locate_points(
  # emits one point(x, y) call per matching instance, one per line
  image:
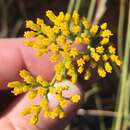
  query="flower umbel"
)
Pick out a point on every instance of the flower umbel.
point(60, 38)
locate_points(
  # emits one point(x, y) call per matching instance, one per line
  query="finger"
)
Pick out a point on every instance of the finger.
point(10, 61)
point(14, 57)
point(13, 120)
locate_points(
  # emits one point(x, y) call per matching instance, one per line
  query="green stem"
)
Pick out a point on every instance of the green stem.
point(99, 107)
point(90, 92)
point(91, 10)
point(128, 81)
point(53, 81)
point(77, 5)
point(121, 27)
point(127, 103)
point(70, 6)
point(123, 78)
point(67, 127)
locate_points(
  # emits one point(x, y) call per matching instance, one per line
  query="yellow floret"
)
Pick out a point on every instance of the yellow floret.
point(104, 26)
point(74, 77)
point(54, 57)
point(26, 111)
point(86, 40)
point(108, 67)
point(44, 103)
point(63, 103)
point(40, 22)
point(78, 40)
point(104, 41)
point(17, 90)
point(29, 43)
point(85, 23)
point(80, 69)
point(115, 59)
point(41, 91)
point(80, 62)
point(66, 46)
point(74, 52)
point(112, 49)
point(54, 48)
point(100, 49)
point(55, 112)
point(86, 57)
point(47, 113)
point(101, 72)
point(60, 40)
point(68, 64)
point(32, 94)
point(76, 29)
point(30, 24)
point(59, 18)
point(75, 17)
point(34, 120)
point(27, 77)
point(14, 84)
point(29, 34)
point(88, 74)
point(51, 15)
point(56, 29)
point(61, 115)
point(35, 109)
point(94, 29)
point(94, 55)
point(41, 81)
point(118, 62)
point(106, 33)
point(75, 98)
point(67, 17)
point(105, 57)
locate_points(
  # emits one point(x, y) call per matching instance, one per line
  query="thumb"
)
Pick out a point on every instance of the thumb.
point(13, 120)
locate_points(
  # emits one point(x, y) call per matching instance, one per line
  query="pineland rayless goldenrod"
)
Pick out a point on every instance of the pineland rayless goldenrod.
point(60, 38)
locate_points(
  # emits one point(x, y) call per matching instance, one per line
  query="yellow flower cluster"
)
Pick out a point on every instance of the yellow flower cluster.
point(59, 38)
point(66, 33)
point(39, 86)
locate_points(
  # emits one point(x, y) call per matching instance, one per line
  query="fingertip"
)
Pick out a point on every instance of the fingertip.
point(47, 123)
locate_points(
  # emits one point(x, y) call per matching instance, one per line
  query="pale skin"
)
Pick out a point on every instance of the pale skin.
point(14, 56)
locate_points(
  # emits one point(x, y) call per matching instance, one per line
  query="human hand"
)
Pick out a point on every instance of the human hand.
point(14, 57)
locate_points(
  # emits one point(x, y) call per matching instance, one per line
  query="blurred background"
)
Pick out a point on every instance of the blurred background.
point(13, 13)
point(96, 112)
